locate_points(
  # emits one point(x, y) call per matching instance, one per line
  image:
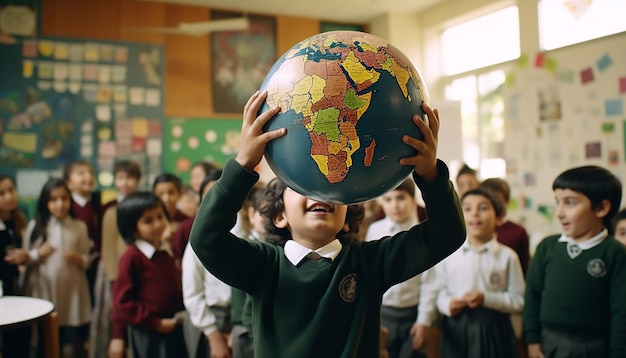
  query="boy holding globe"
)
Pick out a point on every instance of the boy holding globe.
point(320, 294)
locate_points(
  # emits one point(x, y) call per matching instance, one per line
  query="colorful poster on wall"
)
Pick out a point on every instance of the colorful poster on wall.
point(240, 60)
point(63, 100)
point(190, 140)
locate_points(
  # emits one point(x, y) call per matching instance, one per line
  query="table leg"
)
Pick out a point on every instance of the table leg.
point(51, 335)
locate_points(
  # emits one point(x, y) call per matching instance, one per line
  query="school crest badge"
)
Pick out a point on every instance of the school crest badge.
point(596, 268)
point(347, 288)
point(495, 278)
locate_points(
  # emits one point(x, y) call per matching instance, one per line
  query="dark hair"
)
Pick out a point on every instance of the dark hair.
point(129, 167)
point(596, 183)
point(256, 197)
point(465, 169)
point(130, 210)
point(67, 171)
point(42, 213)
point(206, 166)
point(408, 186)
point(621, 215)
point(498, 205)
point(498, 185)
point(17, 216)
point(274, 205)
point(168, 178)
point(211, 177)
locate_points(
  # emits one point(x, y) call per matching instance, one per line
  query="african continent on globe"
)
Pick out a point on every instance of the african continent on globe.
point(346, 99)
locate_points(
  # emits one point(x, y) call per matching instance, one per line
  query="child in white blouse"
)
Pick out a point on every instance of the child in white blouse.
point(480, 285)
point(59, 255)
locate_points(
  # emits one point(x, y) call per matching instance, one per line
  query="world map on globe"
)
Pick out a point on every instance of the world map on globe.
point(329, 85)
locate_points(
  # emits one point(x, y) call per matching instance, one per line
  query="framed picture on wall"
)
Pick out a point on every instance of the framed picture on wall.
point(240, 60)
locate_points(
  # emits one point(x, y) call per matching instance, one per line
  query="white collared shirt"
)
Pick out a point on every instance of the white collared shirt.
point(420, 290)
point(387, 227)
point(296, 252)
point(201, 291)
point(119, 197)
point(583, 245)
point(146, 248)
point(79, 199)
point(493, 269)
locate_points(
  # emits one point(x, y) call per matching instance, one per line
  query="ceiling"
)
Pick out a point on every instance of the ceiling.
point(350, 11)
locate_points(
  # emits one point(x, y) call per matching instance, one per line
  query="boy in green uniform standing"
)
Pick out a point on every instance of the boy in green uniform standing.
point(319, 295)
point(575, 300)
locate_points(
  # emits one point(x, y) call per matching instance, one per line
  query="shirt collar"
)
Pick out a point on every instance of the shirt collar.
point(146, 248)
point(295, 252)
point(2, 225)
point(397, 227)
point(79, 199)
point(489, 246)
point(119, 197)
point(586, 244)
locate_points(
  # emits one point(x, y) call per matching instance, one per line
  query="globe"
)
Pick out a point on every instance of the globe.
point(346, 99)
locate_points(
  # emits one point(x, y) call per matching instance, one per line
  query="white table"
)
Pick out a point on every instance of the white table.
point(17, 311)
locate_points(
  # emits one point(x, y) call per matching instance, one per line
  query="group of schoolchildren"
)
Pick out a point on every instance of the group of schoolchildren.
point(263, 271)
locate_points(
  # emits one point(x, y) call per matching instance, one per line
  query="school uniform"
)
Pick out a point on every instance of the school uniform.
point(407, 303)
point(88, 211)
point(180, 238)
point(342, 292)
point(515, 236)
point(486, 331)
point(576, 297)
point(241, 315)
point(242, 337)
point(207, 301)
point(148, 289)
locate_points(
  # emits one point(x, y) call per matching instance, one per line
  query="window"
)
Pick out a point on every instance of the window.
point(566, 22)
point(481, 42)
point(482, 116)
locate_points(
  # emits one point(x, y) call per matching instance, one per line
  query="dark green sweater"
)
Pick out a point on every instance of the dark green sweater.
point(586, 295)
point(319, 308)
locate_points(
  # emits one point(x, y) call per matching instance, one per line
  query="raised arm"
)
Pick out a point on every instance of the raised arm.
point(232, 260)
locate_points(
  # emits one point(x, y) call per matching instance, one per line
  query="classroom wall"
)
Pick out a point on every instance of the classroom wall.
point(564, 108)
point(187, 65)
point(588, 129)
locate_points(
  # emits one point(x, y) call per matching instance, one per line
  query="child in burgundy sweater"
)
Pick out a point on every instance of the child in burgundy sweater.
point(147, 294)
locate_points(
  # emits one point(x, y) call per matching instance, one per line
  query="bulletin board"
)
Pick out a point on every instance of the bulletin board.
point(67, 99)
point(190, 140)
point(563, 109)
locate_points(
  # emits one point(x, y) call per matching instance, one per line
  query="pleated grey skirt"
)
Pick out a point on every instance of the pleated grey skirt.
point(478, 333)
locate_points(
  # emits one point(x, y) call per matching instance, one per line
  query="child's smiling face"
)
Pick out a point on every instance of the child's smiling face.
point(311, 223)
